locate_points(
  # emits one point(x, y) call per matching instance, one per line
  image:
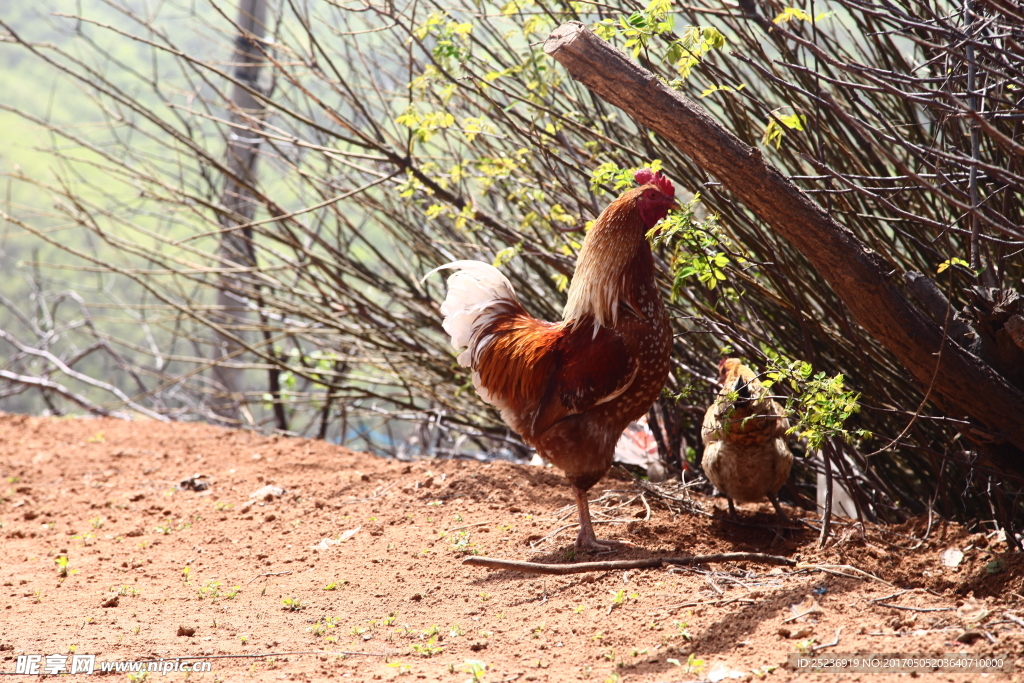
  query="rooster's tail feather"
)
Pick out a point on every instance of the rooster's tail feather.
point(478, 296)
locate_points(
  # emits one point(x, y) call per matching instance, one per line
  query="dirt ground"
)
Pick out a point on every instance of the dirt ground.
point(354, 571)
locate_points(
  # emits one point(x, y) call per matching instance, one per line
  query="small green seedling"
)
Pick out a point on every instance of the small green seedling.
point(428, 648)
point(63, 571)
point(476, 669)
point(210, 589)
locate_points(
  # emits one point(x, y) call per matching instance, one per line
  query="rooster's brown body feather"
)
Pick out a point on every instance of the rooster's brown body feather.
point(570, 388)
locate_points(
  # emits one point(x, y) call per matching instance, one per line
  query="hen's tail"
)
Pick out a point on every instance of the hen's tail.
point(479, 297)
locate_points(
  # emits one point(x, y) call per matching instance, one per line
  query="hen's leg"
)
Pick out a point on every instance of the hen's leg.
point(586, 540)
point(732, 508)
point(783, 517)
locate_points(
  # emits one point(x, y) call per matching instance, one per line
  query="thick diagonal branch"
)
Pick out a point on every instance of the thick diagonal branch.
point(964, 383)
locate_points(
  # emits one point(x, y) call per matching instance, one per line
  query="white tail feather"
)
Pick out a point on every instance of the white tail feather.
point(477, 294)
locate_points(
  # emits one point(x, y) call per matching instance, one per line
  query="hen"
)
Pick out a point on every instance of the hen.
point(570, 388)
point(745, 452)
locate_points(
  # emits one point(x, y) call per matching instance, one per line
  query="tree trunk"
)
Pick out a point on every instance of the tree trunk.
point(236, 249)
point(963, 385)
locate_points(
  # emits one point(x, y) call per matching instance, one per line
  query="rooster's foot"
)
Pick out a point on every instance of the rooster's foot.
point(600, 545)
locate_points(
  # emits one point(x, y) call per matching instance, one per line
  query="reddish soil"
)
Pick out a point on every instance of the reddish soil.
point(386, 595)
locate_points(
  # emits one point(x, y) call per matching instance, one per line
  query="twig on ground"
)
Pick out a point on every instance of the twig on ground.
point(720, 601)
point(376, 494)
point(834, 569)
point(1014, 618)
point(283, 654)
point(892, 595)
point(468, 526)
point(648, 563)
point(714, 586)
point(918, 609)
point(267, 574)
point(835, 641)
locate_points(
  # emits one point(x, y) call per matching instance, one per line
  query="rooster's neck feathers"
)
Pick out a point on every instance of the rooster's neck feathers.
point(614, 258)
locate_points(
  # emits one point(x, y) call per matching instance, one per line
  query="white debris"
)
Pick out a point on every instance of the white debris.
point(267, 493)
point(722, 672)
point(326, 543)
point(951, 557)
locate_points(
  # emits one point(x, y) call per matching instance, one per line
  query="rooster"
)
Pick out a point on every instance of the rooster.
point(745, 452)
point(570, 388)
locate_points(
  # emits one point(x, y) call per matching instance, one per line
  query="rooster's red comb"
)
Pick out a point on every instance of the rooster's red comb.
point(646, 176)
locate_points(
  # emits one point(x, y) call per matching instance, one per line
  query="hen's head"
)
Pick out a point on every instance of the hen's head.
point(657, 196)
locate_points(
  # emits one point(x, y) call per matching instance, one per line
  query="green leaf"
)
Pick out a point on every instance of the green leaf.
point(952, 262)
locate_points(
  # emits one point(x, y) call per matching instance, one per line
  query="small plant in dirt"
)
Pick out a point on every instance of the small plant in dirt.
point(390, 618)
point(186, 574)
point(455, 631)
point(86, 539)
point(210, 590)
point(476, 669)
point(166, 528)
point(63, 570)
point(323, 626)
point(579, 608)
point(244, 639)
point(125, 591)
point(402, 669)
point(97, 522)
point(693, 664)
point(292, 604)
point(484, 597)
point(138, 676)
point(220, 506)
point(429, 648)
point(620, 598)
point(805, 647)
point(681, 627)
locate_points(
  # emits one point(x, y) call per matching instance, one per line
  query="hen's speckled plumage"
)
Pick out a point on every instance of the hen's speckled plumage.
point(745, 451)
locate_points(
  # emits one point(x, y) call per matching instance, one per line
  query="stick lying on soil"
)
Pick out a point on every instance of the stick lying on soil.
point(649, 563)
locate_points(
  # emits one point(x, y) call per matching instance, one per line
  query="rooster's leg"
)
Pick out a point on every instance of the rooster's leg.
point(586, 540)
point(732, 508)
